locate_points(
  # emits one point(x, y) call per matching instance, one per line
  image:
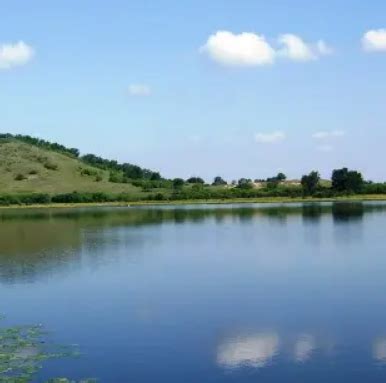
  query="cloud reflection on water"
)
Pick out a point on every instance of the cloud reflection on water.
point(304, 347)
point(379, 349)
point(252, 351)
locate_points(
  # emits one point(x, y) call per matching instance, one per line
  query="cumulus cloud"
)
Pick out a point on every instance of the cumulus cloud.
point(324, 134)
point(304, 347)
point(253, 351)
point(296, 49)
point(270, 138)
point(244, 49)
point(12, 55)
point(374, 40)
point(139, 90)
point(250, 49)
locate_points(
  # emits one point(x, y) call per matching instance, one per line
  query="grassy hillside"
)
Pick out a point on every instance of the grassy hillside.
point(26, 168)
point(34, 171)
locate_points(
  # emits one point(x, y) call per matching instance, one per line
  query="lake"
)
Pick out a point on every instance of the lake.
point(208, 293)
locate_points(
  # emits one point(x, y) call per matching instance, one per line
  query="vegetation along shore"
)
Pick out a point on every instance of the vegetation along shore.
point(35, 172)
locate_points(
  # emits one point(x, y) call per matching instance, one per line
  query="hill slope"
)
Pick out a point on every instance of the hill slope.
point(26, 168)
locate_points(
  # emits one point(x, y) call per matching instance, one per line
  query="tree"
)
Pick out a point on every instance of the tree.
point(198, 187)
point(218, 181)
point(155, 176)
point(245, 183)
point(280, 177)
point(345, 180)
point(310, 183)
point(195, 180)
point(178, 183)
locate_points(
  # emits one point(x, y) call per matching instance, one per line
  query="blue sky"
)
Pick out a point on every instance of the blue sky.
point(154, 83)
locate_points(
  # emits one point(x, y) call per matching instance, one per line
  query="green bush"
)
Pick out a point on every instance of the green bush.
point(20, 177)
point(24, 199)
point(50, 165)
point(89, 172)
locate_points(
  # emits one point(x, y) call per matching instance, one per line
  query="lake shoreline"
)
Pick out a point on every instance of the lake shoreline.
point(279, 200)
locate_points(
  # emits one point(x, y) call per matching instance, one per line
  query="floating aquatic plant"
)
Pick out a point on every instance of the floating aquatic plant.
point(23, 351)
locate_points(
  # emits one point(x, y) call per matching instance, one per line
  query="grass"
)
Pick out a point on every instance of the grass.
point(26, 168)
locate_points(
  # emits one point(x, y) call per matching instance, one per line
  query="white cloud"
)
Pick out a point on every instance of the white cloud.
point(270, 138)
point(250, 49)
point(139, 90)
point(374, 40)
point(12, 55)
point(244, 49)
point(294, 48)
point(323, 48)
point(253, 351)
point(324, 134)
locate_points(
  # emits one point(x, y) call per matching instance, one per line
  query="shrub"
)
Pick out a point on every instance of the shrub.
point(20, 177)
point(24, 199)
point(88, 172)
point(76, 197)
point(50, 165)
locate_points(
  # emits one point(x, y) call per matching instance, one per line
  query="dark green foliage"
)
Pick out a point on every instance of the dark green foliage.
point(155, 176)
point(272, 184)
point(374, 188)
point(159, 197)
point(310, 183)
point(20, 177)
point(24, 199)
point(76, 197)
point(50, 165)
point(149, 184)
point(344, 180)
point(89, 172)
point(122, 171)
point(206, 193)
point(195, 180)
point(218, 181)
point(197, 187)
point(280, 177)
point(41, 143)
point(178, 183)
point(118, 178)
point(245, 183)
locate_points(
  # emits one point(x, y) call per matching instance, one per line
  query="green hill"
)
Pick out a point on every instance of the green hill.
point(28, 165)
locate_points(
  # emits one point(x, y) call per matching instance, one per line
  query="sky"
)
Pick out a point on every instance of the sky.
point(242, 88)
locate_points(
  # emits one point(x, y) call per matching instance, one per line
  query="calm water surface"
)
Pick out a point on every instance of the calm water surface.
point(239, 293)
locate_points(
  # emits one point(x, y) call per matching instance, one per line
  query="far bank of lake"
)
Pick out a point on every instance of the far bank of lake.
point(265, 200)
